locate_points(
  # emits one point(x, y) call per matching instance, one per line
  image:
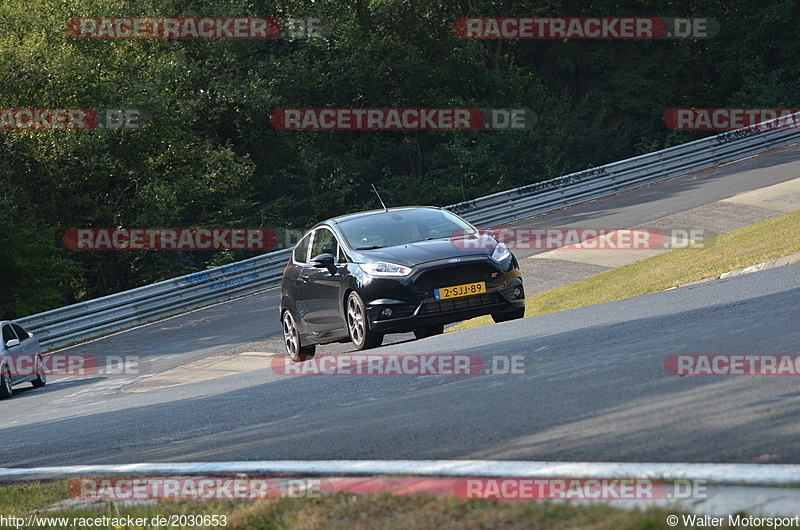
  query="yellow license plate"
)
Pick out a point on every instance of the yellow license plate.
point(459, 290)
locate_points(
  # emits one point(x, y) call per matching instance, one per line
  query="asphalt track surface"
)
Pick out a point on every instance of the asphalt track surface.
point(594, 387)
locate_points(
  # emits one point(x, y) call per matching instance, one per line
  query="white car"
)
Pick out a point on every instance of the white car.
point(20, 359)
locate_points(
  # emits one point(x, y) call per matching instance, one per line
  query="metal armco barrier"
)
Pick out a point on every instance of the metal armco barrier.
point(58, 327)
point(93, 318)
point(542, 197)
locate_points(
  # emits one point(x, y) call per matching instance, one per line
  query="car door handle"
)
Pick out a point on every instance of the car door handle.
point(304, 278)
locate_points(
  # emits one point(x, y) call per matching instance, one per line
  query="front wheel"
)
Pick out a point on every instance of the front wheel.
point(291, 339)
point(363, 338)
point(41, 376)
point(509, 315)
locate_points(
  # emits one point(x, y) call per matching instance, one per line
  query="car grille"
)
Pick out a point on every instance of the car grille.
point(463, 302)
point(455, 275)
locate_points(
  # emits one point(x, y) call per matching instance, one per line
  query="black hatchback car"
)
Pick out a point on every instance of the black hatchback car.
point(361, 276)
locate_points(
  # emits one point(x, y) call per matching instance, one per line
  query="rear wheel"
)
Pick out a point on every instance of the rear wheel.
point(362, 337)
point(41, 376)
point(291, 339)
point(5, 384)
point(510, 315)
point(429, 331)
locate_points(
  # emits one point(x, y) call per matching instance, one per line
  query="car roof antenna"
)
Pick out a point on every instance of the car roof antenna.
point(385, 209)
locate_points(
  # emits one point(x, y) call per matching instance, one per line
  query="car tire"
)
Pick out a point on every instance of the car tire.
point(41, 376)
point(509, 315)
point(5, 384)
point(291, 340)
point(429, 331)
point(362, 337)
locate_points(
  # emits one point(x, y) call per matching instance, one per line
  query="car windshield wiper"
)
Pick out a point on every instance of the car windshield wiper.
point(370, 248)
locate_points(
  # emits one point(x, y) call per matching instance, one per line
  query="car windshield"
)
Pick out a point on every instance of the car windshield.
point(399, 227)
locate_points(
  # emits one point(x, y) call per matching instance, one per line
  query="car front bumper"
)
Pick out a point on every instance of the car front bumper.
point(428, 311)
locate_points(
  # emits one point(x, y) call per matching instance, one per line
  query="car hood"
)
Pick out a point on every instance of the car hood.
point(421, 252)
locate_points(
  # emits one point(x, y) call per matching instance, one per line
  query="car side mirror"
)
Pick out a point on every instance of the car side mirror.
point(11, 343)
point(325, 261)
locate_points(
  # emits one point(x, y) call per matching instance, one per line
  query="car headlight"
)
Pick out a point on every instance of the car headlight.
point(382, 268)
point(501, 253)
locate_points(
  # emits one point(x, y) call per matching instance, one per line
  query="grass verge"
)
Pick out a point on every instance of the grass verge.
point(764, 241)
point(338, 511)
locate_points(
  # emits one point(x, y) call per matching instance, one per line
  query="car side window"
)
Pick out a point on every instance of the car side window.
point(301, 250)
point(22, 335)
point(325, 243)
point(8, 334)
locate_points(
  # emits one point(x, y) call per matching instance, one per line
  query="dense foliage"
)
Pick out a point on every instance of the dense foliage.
point(210, 157)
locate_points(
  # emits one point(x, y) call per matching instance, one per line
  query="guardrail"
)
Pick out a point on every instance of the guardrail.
point(77, 322)
point(93, 318)
point(568, 190)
